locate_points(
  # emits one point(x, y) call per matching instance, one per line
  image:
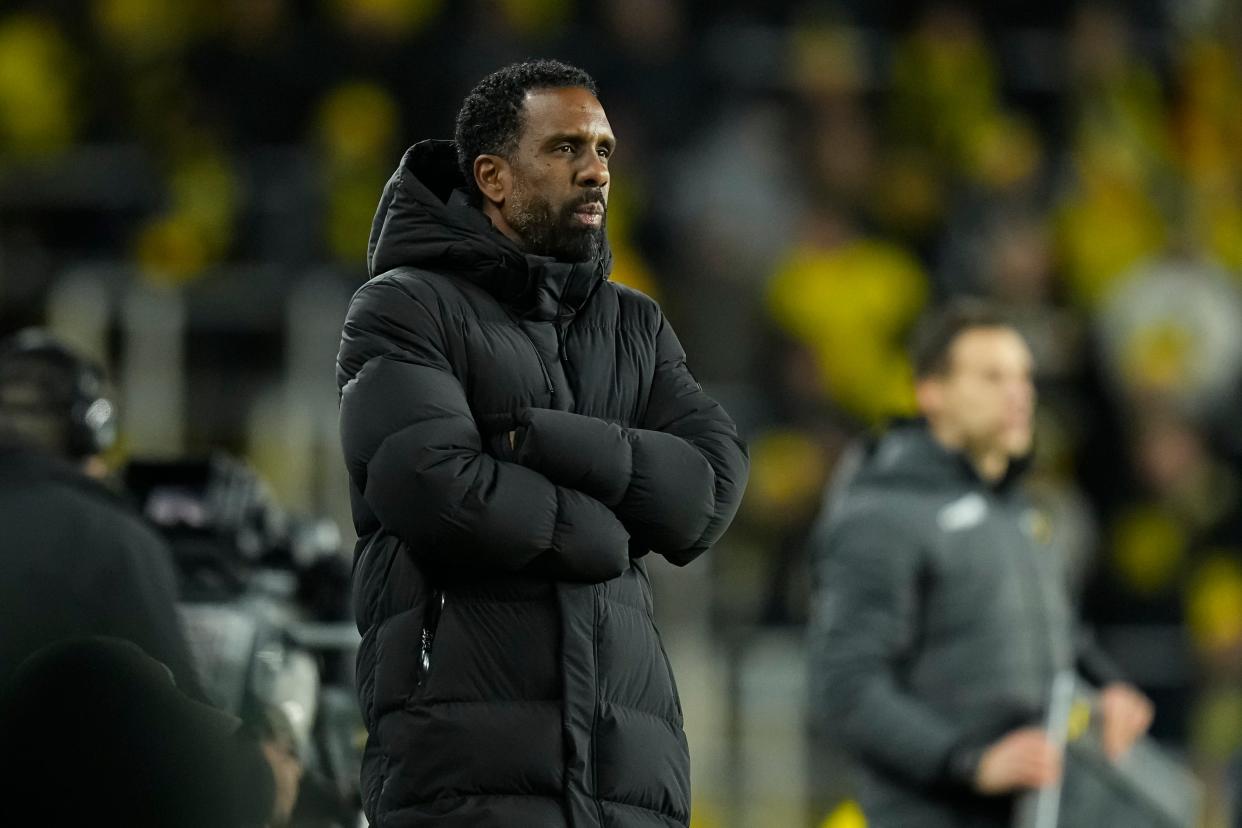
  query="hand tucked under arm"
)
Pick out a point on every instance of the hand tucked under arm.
point(662, 486)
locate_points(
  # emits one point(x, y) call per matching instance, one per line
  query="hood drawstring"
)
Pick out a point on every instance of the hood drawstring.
point(562, 320)
point(560, 330)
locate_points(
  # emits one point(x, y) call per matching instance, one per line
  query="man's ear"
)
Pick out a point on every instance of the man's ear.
point(494, 177)
point(929, 394)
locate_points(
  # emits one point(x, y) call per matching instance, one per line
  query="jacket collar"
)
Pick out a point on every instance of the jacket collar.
point(24, 465)
point(908, 450)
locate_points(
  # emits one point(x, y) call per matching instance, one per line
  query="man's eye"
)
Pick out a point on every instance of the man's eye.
point(604, 152)
point(565, 148)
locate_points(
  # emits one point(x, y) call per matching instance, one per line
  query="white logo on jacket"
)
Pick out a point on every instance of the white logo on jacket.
point(963, 513)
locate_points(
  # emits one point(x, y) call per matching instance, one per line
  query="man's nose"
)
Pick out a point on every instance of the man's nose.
point(594, 172)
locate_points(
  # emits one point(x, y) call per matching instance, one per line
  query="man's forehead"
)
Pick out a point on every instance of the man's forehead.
point(569, 109)
point(987, 346)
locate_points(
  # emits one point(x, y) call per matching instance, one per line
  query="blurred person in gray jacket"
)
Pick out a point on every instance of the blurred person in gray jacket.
point(941, 613)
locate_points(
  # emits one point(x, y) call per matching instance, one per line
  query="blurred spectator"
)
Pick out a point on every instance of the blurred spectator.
point(38, 94)
point(196, 230)
point(945, 121)
point(356, 126)
point(389, 20)
point(945, 94)
point(1167, 579)
point(254, 74)
point(1208, 133)
point(1106, 224)
point(77, 560)
point(733, 192)
point(732, 209)
point(1115, 212)
point(851, 300)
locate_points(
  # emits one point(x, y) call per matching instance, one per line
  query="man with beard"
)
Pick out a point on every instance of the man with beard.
point(519, 433)
point(941, 616)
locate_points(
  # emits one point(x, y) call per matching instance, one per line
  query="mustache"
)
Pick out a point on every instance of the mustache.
point(592, 196)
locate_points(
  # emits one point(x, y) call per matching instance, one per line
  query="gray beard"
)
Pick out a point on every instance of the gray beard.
point(546, 234)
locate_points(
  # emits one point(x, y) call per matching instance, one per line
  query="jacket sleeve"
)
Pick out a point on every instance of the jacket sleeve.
point(675, 483)
point(414, 450)
point(863, 617)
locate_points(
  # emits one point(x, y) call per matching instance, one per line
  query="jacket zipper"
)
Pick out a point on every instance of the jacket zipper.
point(1047, 602)
point(599, 805)
point(543, 366)
point(431, 622)
point(1038, 603)
point(566, 365)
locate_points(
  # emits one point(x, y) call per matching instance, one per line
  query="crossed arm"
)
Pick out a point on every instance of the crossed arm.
point(580, 487)
point(675, 483)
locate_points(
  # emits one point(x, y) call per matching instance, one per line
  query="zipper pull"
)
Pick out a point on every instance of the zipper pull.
point(428, 637)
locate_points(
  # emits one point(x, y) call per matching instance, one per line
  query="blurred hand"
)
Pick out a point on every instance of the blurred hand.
point(1021, 759)
point(1125, 715)
point(287, 771)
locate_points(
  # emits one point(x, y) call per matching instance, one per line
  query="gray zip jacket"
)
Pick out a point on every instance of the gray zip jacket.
point(940, 615)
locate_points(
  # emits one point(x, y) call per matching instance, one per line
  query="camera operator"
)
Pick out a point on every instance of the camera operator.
point(79, 562)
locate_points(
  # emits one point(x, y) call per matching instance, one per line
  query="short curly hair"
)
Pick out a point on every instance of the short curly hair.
point(490, 119)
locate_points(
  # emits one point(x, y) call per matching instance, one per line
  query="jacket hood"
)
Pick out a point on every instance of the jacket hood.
point(425, 220)
point(908, 456)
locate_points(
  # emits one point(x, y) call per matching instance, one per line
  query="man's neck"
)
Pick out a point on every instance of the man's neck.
point(498, 221)
point(989, 463)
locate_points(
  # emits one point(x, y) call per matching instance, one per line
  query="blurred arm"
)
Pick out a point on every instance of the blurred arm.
point(862, 621)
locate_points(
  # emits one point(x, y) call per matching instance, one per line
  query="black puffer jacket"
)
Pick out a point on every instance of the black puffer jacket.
point(510, 673)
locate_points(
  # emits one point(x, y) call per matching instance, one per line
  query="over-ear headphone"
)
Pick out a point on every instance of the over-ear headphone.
point(65, 384)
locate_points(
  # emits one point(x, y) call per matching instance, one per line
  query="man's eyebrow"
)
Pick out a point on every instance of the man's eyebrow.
point(580, 138)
